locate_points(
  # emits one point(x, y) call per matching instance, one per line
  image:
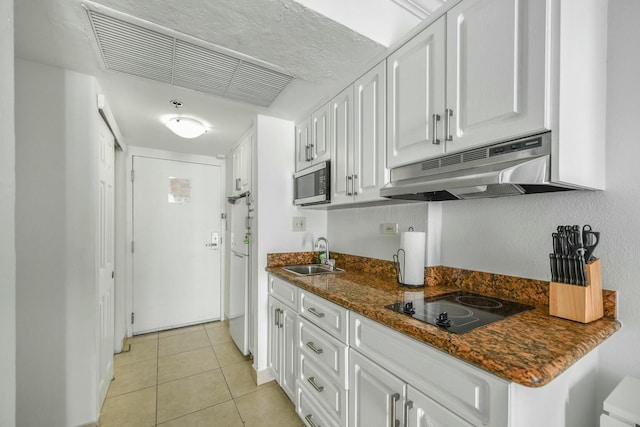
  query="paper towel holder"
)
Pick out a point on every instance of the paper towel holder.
point(400, 269)
point(396, 263)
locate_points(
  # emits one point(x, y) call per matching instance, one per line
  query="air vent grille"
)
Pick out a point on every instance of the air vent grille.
point(430, 164)
point(453, 159)
point(133, 49)
point(472, 155)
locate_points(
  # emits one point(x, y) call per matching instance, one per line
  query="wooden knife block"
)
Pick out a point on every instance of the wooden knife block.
point(580, 303)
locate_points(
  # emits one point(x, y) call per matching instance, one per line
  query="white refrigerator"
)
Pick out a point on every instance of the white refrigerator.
point(239, 277)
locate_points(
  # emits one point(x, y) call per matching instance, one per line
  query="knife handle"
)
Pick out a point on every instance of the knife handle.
point(554, 273)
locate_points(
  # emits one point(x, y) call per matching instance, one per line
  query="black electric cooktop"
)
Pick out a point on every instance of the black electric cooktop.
point(459, 311)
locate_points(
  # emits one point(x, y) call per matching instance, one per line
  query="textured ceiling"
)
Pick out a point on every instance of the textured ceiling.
point(322, 54)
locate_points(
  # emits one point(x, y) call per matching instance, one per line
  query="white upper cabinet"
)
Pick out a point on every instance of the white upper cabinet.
point(416, 97)
point(313, 142)
point(494, 59)
point(495, 71)
point(303, 144)
point(242, 164)
point(358, 139)
point(342, 140)
point(486, 71)
point(369, 142)
point(320, 141)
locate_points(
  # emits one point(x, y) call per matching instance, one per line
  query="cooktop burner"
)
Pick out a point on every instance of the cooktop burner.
point(459, 311)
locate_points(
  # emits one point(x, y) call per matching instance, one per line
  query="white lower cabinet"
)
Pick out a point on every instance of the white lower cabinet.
point(379, 398)
point(323, 370)
point(456, 389)
point(282, 355)
point(323, 361)
point(374, 393)
point(311, 411)
point(421, 411)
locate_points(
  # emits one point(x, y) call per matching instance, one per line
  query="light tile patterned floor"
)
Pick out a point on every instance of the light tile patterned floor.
point(192, 376)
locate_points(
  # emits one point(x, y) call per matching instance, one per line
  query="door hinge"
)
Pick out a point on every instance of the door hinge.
point(133, 317)
point(132, 246)
point(132, 175)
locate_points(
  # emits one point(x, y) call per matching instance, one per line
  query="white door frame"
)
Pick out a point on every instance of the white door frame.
point(127, 286)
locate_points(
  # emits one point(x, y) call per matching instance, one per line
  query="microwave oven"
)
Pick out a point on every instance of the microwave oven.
point(311, 185)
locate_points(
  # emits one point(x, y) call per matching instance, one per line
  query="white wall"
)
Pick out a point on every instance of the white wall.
point(358, 231)
point(513, 235)
point(56, 170)
point(273, 184)
point(7, 221)
point(366, 239)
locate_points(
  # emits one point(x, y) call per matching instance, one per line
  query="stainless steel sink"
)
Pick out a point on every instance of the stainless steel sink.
point(312, 269)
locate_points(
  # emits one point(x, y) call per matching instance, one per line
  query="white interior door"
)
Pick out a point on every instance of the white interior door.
point(176, 243)
point(106, 234)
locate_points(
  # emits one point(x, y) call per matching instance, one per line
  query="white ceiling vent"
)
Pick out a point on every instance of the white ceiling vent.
point(133, 49)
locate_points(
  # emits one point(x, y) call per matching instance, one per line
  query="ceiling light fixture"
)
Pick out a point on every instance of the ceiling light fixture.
point(184, 127)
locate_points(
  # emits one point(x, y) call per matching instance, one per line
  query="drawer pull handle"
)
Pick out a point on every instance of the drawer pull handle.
point(315, 312)
point(447, 118)
point(312, 381)
point(315, 349)
point(308, 420)
point(393, 422)
point(408, 406)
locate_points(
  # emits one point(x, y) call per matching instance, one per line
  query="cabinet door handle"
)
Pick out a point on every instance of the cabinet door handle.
point(434, 129)
point(315, 312)
point(312, 381)
point(355, 191)
point(312, 155)
point(315, 349)
point(277, 317)
point(407, 407)
point(280, 318)
point(307, 155)
point(309, 421)
point(393, 422)
point(238, 184)
point(349, 183)
point(447, 124)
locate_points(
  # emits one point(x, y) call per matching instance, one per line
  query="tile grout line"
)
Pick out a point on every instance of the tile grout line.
point(233, 399)
point(196, 411)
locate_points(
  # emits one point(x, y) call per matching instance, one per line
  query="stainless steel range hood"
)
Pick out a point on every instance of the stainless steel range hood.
point(521, 166)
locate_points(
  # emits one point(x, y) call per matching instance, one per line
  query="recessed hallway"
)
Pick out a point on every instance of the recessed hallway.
point(192, 376)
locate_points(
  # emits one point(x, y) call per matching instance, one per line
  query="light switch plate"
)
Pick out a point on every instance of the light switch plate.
point(389, 228)
point(299, 223)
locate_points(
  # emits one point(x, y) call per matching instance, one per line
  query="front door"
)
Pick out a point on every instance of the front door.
point(176, 243)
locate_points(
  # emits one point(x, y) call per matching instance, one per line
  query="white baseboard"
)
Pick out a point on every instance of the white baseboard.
point(261, 377)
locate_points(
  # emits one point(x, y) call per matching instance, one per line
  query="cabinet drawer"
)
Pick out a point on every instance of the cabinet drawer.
point(311, 411)
point(324, 350)
point(319, 384)
point(285, 292)
point(325, 314)
point(467, 391)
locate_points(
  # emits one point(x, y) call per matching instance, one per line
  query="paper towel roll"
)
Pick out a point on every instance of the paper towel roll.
point(413, 244)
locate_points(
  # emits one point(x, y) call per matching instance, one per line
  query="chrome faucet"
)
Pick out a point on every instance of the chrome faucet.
point(327, 260)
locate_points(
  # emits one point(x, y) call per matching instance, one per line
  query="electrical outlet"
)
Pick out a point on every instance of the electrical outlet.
point(389, 228)
point(299, 223)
